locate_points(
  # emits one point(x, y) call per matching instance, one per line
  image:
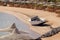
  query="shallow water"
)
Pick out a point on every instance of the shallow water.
point(6, 20)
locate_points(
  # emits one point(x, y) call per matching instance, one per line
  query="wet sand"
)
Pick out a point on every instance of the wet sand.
point(21, 13)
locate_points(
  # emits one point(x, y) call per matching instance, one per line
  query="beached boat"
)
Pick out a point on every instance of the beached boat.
point(36, 20)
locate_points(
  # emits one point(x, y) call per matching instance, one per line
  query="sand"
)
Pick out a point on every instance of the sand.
point(24, 15)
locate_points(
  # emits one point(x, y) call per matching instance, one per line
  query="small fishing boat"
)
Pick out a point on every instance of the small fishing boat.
point(36, 20)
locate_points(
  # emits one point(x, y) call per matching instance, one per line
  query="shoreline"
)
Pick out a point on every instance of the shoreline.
point(50, 16)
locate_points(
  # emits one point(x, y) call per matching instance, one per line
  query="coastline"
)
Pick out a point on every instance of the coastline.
point(47, 15)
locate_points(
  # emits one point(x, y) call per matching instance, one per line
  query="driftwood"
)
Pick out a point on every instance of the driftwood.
point(51, 33)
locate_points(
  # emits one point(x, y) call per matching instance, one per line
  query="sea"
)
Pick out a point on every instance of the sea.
point(6, 20)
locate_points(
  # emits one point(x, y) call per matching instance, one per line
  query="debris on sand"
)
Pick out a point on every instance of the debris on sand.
point(51, 33)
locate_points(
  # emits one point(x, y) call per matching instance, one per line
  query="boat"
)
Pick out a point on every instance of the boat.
point(36, 20)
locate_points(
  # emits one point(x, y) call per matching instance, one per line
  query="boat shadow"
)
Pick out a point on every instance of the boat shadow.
point(42, 25)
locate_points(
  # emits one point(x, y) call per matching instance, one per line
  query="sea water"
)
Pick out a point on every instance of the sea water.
point(6, 20)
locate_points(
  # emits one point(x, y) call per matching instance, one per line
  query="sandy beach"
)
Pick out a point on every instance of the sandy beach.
point(24, 15)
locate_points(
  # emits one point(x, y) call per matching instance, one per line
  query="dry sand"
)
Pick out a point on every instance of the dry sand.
point(22, 13)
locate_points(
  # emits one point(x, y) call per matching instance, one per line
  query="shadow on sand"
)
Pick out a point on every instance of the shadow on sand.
point(42, 25)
